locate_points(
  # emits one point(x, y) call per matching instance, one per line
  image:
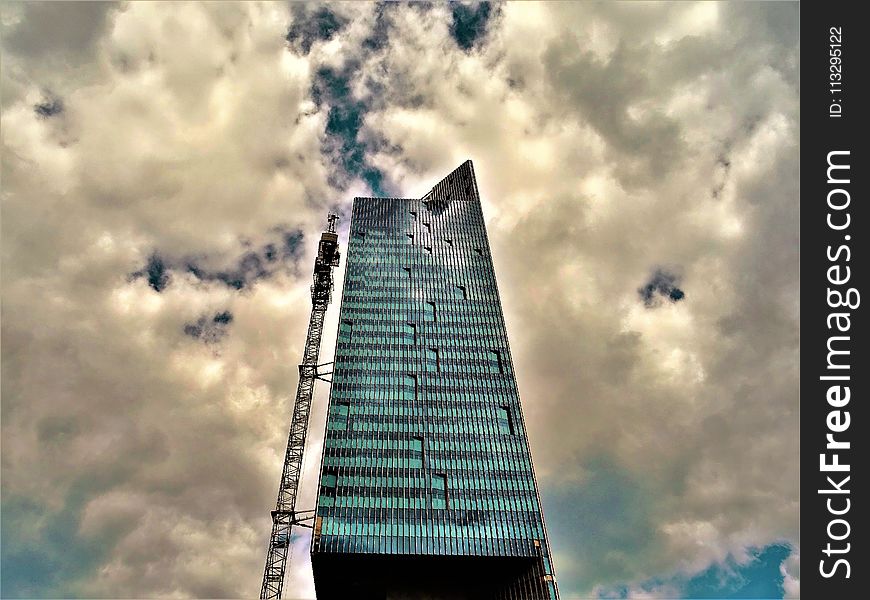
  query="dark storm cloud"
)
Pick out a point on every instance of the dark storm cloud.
point(469, 22)
point(67, 30)
point(49, 107)
point(158, 278)
point(772, 30)
point(720, 176)
point(602, 91)
point(210, 329)
point(661, 285)
point(380, 34)
point(44, 40)
point(155, 271)
point(311, 25)
point(251, 266)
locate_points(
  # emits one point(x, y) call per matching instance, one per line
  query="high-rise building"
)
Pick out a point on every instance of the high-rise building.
point(426, 488)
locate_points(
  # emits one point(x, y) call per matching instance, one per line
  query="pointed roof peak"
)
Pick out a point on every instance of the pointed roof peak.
point(459, 184)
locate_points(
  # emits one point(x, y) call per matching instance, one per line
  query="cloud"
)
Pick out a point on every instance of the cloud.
point(196, 154)
point(49, 107)
point(155, 272)
point(664, 285)
point(210, 329)
point(130, 452)
point(469, 22)
point(344, 121)
point(311, 25)
point(595, 146)
point(791, 575)
point(617, 521)
point(42, 30)
point(756, 574)
point(242, 272)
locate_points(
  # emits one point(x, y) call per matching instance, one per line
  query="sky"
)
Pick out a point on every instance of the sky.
point(166, 170)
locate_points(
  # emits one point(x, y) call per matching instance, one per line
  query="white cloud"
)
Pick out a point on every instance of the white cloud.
point(791, 573)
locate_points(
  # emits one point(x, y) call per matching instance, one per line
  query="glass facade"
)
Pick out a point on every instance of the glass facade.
point(425, 453)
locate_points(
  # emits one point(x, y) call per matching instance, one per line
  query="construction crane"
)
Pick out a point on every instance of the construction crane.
point(285, 514)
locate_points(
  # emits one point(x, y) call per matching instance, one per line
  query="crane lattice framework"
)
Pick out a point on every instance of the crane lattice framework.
point(285, 514)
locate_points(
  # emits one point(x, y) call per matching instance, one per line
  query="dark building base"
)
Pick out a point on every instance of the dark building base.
point(391, 577)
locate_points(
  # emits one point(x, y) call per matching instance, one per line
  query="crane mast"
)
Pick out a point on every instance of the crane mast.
point(285, 514)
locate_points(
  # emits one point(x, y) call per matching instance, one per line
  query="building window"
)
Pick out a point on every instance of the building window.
point(413, 215)
point(428, 227)
point(551, 588)
point(408, 271)
point(409, 387)
point(479, 251)
point(439, 491)
point(429, 313)
point(433, 360)
point(494, 362)
point(345, 330)
point(410, 238)
point(449, 242)
point(416, 461)
point(459, 292)
point(409, 333)
point(340, 413)
point(328, 485)
point(505, 421)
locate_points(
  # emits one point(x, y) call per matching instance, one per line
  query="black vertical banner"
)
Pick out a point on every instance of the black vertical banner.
point(835, 58)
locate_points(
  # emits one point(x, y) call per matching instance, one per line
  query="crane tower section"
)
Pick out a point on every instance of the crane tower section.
point(285, 514)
